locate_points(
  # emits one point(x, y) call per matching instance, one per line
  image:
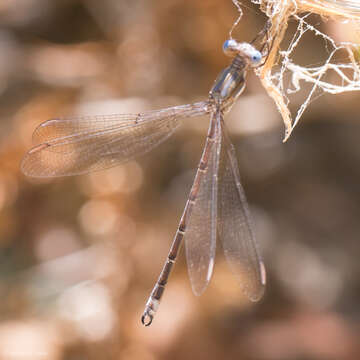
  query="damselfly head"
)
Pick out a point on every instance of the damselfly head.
point(231, 48)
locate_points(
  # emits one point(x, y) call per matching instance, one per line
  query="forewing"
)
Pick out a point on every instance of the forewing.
point(235, 228)
point(83, 144)
point(200, 233)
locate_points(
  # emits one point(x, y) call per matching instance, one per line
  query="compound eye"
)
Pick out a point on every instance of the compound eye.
point(256, 57)
point(230, 47)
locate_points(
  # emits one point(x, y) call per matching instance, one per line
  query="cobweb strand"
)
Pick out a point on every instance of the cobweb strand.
point(329, 77)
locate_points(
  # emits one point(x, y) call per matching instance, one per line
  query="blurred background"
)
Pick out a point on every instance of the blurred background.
point(79, 255)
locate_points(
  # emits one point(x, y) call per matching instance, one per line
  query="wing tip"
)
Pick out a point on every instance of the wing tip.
point(26, 165)
point(198, 288)
point(26, 168)
point(198, 291)
point(256, 296)
point(255, 289)
point(42, 125)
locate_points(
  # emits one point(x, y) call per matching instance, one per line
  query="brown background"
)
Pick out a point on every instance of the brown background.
point(79, 256)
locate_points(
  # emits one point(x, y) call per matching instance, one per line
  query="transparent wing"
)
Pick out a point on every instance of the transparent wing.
point(83, 144)
point(234, 225)
point(200, 233)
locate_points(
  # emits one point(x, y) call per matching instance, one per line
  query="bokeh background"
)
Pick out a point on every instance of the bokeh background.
point(79, 255)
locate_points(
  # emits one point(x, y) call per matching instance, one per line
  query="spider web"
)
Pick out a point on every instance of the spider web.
point(283, 78)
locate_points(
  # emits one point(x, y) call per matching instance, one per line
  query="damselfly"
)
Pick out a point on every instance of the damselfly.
point(216, 206)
